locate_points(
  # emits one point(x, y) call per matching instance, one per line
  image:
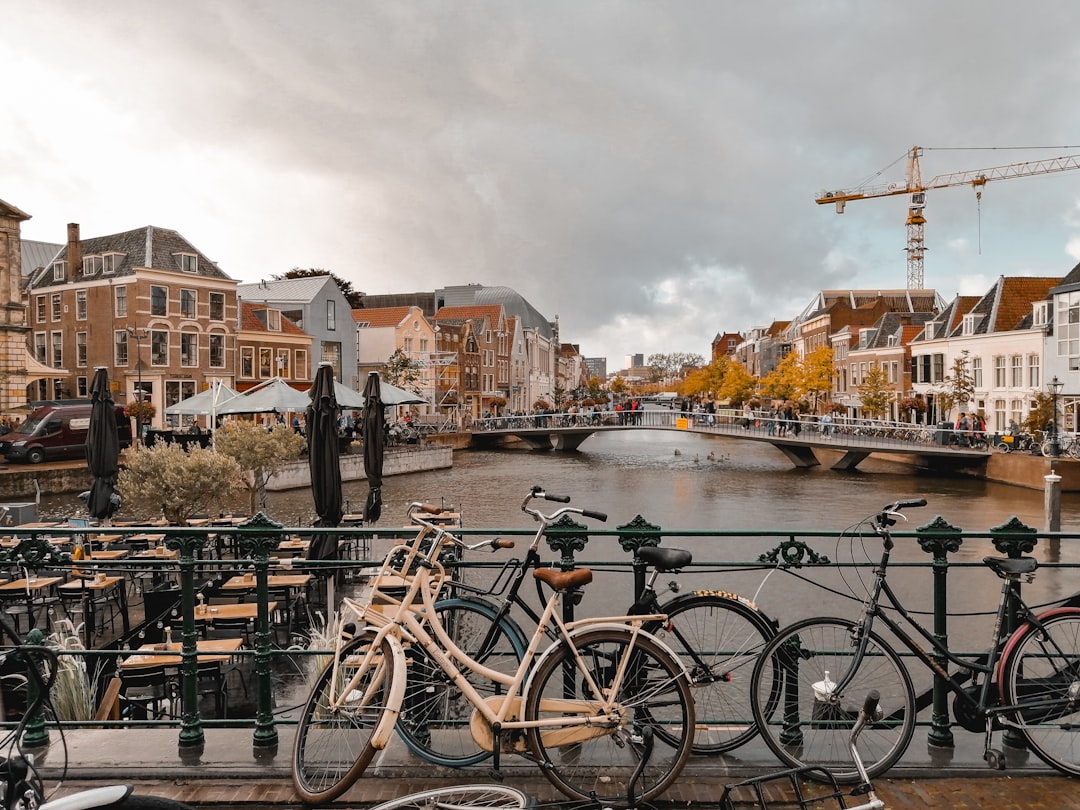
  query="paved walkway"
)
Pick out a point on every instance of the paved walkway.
point(227, 773)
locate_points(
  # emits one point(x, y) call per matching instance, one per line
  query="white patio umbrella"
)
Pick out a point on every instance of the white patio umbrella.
point(203, 403)
point(346, 397)
point(275, 395)
point(391, 395)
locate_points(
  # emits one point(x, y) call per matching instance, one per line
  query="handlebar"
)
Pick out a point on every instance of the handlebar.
point(538, 492)
point(887, 516)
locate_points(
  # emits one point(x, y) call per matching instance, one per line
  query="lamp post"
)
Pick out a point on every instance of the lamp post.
point(138, 335)
point(1055, 385)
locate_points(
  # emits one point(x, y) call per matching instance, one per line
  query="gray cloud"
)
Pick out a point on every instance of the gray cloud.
point(644, 171)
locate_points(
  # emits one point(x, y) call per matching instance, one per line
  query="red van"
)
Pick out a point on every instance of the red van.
point(57, 430)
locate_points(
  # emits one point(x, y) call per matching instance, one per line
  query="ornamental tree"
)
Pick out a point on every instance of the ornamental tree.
point(178, 482)
point(260, 454)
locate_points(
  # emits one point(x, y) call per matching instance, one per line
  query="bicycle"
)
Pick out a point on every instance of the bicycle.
point(1028, 681)
point(869, 713)
point(716, 634)
point(22, 783)
point(459, 797)
point(597, 714)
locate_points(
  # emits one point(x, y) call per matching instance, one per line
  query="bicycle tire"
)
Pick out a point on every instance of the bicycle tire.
point(332, 749)
point(718, 637)
point(804, 731)
point(601, 765)
point(1042, 666)
point(434, 720)
point(459, 797)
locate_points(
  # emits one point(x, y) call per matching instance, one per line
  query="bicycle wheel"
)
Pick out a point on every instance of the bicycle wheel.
point(333, 745)
point(434, 721)
point(1041, 674)
point(811, 724)
point(459, 797)
point(718, 638)
point(603, 764)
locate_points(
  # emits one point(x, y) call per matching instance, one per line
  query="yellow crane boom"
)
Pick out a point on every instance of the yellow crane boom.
point(914, 186)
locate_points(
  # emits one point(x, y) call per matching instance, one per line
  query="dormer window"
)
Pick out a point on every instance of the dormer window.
point(188, 262)
point(273, 320)
point(971, 323)
point(91, 265)
point(928, 331)
point(894, 341)
point(1039, 313)
point(110, 262)
point(58, 270)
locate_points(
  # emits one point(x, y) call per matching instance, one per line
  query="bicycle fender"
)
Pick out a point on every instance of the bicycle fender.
point(620, 626)
point(86, 799)
point(385, 730)
point(1020, 632)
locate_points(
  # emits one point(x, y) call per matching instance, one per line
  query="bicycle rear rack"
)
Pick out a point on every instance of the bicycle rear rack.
point(797, 792)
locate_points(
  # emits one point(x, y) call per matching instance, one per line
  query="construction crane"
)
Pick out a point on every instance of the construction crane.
point(916, 188)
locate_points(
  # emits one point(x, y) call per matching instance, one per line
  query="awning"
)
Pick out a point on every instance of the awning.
point(39, 371)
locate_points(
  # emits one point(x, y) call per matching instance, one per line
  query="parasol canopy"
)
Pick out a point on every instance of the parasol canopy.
point(323, 461)
point(204, 403)
point(374, 446)
point(275, 395)
point(102, 448)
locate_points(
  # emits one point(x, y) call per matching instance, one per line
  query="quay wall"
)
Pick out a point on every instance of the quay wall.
point(17, 480)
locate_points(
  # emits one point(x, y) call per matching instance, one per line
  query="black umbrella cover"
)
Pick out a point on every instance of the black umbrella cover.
point(374, 447)
point(324, 461)
point(102, 449)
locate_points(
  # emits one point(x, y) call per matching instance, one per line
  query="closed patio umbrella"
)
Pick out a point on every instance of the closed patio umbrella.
point(374, 446)
point(323, 461)
point(102, 449)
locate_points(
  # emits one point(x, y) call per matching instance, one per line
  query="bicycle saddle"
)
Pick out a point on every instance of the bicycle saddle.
point(563, 580)
point(1004, 566)
point(665, 559)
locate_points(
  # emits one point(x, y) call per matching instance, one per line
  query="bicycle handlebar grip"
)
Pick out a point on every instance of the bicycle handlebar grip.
point(601, 516)
point(871, 704)
point(911, 502)
point(557, 498)
point(430, 508)
point(498, 542)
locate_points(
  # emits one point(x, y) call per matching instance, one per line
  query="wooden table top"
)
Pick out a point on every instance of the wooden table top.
point(294, 544)
point(42, 524)
point(150, 538)
point(96, 583)
point(32, 584)
point(241, 582)
point(242, 610)
point(112, 554)
point(156, 655)
point(158, 553)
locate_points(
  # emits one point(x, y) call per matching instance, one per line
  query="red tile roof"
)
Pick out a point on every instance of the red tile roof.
point(381, 316)
point(249, 321)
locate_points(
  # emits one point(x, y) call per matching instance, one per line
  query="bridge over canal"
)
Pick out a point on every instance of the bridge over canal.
point(856, 440)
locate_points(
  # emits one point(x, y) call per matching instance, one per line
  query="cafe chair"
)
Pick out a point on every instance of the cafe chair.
point(147, 693)
point(230, 627)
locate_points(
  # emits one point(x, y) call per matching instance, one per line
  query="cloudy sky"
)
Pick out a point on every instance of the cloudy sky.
point(644, 171)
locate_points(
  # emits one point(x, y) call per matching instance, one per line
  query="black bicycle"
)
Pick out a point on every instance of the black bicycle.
point(1028, 681)
point(717, 635)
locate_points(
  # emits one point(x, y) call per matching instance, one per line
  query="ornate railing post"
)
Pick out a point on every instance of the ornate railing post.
point(939, 539)
point(36, 735)
point(1013, 539)
point(567, 536)
point(633, 536)
point(191, 732)
point(259, 536)
point(792, 553)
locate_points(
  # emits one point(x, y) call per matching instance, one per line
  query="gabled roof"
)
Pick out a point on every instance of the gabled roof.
point(952, 315)
point(470, 313)
point(286, 290)
point(36, 255)
point(251, 322)
point(903, 325)
point(147, 248)
point(1006, 306)
point(9, 210)
point(894, 300)
point(380, 317)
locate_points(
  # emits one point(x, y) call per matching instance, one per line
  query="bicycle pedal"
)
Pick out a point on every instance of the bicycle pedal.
point(995, 759)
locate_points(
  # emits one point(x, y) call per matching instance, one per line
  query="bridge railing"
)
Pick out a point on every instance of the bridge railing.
point(789, 574)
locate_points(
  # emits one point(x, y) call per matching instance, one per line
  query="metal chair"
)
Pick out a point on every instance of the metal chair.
point(147, 693)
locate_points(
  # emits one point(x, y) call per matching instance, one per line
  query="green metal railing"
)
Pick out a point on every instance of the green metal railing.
point(794, 552)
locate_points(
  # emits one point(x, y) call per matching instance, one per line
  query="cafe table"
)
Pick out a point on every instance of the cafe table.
point(109, 554)
point(169, 654)
point(247, 582)
point(32, 589)
point(97, 588)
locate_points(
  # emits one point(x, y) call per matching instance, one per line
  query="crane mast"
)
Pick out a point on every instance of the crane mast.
point(916, 189)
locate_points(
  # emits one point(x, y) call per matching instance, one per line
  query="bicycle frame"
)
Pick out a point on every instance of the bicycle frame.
point(404, 619)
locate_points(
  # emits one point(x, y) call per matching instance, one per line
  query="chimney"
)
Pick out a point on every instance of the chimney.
point(74, 251)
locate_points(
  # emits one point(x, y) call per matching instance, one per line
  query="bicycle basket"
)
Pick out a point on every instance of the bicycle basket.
point(789, 788)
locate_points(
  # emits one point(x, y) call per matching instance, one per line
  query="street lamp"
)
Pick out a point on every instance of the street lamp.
point(138, 335)
point(1055, 385)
